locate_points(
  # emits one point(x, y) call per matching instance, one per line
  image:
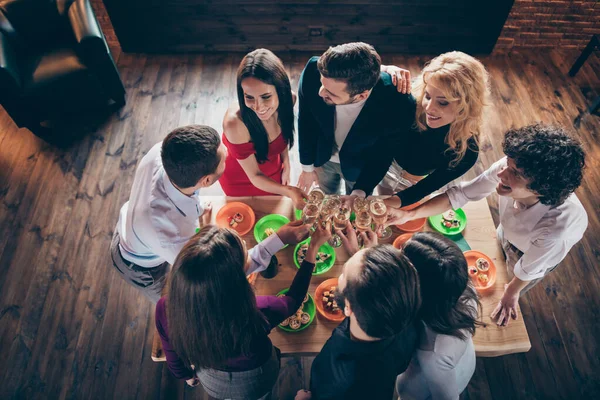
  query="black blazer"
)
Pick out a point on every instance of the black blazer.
point(386, 112)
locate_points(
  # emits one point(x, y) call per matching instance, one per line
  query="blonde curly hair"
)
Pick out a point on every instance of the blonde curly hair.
point(462, 79)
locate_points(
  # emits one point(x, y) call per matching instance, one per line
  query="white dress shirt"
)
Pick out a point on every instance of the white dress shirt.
point(545, 234)
point(158, 219)
point(345, 116)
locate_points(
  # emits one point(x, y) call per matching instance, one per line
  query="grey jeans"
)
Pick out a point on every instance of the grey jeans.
point(330, 178)
point(149, 281)
point(255, 384)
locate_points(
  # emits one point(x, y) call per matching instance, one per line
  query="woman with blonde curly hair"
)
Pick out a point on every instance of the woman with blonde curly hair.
point(450, 95)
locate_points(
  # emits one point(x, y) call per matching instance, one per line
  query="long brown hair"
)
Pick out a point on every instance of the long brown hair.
point(265, 66)
point(463, 79)
point(211, 308)
point(450, 305)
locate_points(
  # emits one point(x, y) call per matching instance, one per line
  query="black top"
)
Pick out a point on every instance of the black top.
point(386, 114)
point(419, 153)
point(349, 369)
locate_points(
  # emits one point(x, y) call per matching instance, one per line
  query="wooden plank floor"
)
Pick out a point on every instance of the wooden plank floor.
point(70, 328)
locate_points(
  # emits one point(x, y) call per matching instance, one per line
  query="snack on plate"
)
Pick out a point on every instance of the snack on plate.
point(269, 231)
point(299, 318)
point(304, 318)
point(449, 220)
point(295, 323)
point(329, 303)
point(321, 256)
point(235, 219)
point(472, 270)
point(483, 278)
point(482, 264)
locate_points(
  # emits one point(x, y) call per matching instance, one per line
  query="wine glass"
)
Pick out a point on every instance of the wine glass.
point(378, 210)
point(316, 196)
point(360, 204)
point(340, 218)
point(310, 213)
point(363, 221)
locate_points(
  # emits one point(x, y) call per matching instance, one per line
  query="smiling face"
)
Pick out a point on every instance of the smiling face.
point(514, 184)
point(333, 92)
point(439, 111)
point(260, 97)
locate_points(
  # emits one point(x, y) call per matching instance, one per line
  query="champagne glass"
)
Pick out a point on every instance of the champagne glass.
point(316, 196)
point(378, 210)
point(363, 221)
point(310, 213)
point(340, 218)
point(360, 204)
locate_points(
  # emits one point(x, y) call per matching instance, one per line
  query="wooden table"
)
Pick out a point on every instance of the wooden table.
point(480, 233)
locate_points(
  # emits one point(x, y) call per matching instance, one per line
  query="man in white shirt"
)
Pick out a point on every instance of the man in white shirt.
point(346, 109)
point(164, 209)
point(541, 218)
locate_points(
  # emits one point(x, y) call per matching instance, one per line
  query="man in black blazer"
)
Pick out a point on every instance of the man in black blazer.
point(348, 109)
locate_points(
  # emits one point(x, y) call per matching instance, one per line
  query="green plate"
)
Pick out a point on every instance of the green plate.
point(436, 223)
point(308, 307)
point(273, 221)
point(321, 267)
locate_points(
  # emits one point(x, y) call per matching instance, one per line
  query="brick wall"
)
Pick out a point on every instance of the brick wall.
point(106, 26)
point(549, 24)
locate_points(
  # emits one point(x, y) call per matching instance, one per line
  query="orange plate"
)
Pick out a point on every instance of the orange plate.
point(472, 256)
point(325, 285)
point(414, 225)
point(400, 240)
point(236, 207)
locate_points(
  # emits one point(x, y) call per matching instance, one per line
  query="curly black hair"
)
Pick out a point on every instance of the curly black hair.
point(549, 157)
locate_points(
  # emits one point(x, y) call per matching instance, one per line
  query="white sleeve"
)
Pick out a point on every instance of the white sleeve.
point(260, 255)
point(307, 168)
point(477, 188)
point(542, 255)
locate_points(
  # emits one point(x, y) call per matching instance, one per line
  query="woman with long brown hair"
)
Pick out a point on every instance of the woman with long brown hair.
point(213, 328)
point(444, 361)
point(259, 131)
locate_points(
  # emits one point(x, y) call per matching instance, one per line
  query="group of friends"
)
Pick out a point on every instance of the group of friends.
point(410, 313)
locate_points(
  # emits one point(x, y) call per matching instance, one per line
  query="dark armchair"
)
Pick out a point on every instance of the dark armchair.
point(54, 61)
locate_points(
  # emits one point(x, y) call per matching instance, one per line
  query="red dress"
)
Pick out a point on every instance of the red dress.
point(235, 182)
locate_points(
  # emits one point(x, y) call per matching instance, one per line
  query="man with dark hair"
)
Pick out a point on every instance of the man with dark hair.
point(541, 218)
point(379, 293)
point(164, 209)
point(347, 109)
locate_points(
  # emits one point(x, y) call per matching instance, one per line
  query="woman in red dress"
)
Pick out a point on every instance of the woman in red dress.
point(259, 131)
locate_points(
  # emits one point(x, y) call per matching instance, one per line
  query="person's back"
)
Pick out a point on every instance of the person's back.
point(349, 369)
point(379, 293)
point(444, 361)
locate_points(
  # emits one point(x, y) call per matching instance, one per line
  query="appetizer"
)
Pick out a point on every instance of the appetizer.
point(482, 264)
point(329, 303)
point(269, 231)
point(321, 256)
point(235, 219)
point(449, 220)
point(299, 318)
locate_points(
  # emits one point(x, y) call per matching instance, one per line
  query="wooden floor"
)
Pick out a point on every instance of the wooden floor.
point(71, 328)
